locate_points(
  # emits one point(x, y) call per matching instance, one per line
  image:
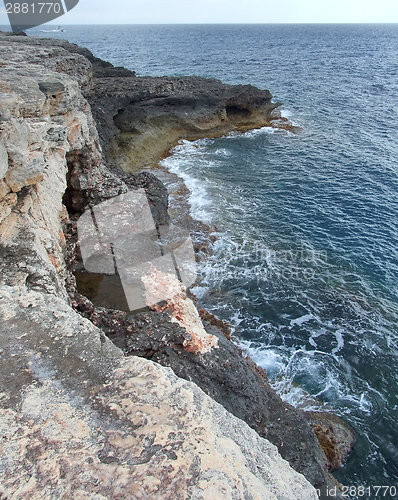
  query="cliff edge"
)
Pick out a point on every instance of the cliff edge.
point(78, 418)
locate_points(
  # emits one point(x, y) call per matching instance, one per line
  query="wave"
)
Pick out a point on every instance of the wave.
point(183, 155)
point(318, 335)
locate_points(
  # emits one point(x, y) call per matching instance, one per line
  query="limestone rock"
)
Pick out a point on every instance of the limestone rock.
point(65, 57)
point(3, 159)
point(227, 376)
point(155, 190)
point(182, 310)
point(80, 420)
point(38, 109)
point(49, 54)
point(4, 189)
point(335, 437)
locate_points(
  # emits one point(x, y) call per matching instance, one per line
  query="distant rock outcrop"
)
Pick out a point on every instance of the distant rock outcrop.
point(140, 119)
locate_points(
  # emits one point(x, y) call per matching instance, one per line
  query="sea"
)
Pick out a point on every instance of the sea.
point(305, 264)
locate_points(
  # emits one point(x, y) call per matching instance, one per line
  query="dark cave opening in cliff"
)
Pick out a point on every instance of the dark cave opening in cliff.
point(234, 112)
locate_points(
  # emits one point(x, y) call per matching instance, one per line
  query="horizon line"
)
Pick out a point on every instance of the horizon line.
point(219, 23)
point(216, 24)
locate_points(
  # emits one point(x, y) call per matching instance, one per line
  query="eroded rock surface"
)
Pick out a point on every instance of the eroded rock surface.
point(334, 435)
point(80, 421)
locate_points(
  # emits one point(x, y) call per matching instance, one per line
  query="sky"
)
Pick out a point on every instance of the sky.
point(226, 11)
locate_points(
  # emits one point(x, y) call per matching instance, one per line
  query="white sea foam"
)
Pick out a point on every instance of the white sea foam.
point(200, 202)
point(261, 131)
point(223, 152)
point(301, 320)
point(340, 341)
point(315, 335)
point(276, 363)
point(285, 366)
point(289, 115)
point(285, 113)
point(269, 359)
point(200, 291)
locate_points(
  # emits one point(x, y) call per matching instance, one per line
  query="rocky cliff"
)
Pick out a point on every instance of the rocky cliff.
point(79, 418)
point(141, 119)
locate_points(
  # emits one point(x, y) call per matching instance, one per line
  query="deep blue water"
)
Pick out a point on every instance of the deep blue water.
point(306, 263)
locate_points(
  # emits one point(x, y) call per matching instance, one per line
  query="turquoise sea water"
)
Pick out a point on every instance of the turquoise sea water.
point(306, 262)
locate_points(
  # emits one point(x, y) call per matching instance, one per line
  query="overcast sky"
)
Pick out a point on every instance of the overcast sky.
point(227, 11)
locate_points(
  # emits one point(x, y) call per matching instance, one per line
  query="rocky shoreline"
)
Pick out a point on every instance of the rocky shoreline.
point(52, 338)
